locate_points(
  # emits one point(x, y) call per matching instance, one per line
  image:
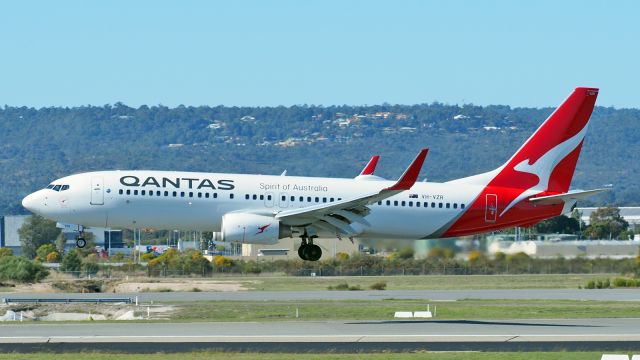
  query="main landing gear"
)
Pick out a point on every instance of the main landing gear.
point(308, 250)
point(80, 241)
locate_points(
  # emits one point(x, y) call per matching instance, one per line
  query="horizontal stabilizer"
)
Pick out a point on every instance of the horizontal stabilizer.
point(562, 198)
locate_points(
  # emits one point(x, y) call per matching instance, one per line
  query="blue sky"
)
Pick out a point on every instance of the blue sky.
point(519, 53)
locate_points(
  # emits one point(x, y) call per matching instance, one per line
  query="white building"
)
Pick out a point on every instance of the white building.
point(613, 249)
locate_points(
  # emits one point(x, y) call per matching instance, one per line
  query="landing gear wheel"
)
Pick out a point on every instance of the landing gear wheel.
point(81, 242)
point(312, 252)
point(301, 251)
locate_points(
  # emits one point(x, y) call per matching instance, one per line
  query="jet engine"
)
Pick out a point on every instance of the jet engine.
point(251, 229)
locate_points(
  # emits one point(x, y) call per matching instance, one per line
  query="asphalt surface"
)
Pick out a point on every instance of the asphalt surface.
point(440, 295)
point(330, 336)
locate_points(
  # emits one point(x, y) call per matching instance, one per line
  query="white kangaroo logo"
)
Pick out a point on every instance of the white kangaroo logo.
point(544, 166)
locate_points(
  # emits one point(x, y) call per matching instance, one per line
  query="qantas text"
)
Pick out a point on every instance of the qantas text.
point(191, 183)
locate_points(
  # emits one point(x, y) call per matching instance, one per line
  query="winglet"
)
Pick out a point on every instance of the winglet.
point(410, 175)
point(371, 166)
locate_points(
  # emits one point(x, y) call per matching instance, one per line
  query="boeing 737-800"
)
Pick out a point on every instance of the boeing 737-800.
point(531, 186)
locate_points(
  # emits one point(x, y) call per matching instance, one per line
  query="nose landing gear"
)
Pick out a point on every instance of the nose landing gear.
point(308, 250)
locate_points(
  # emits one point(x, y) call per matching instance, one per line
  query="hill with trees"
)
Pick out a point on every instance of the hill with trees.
point(39, 145)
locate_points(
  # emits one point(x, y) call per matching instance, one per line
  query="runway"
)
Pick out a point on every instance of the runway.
point(329, 336)
point(436, 295)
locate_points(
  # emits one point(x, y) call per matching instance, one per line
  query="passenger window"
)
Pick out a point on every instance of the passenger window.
point(143, 192)
point(175, 194)
point(255, 197)
point(181, 193)
point(308, 198)
point(231, 196)
point(120, 192)
point(317, 199)
point(455, 205)
point(206, 195)
point(301, 198)
point(293, 198)
point(388, 202)
point(403, 203)
point(433, 204)
point(158, 193)
point(166, 193)
point(448, 205)
point(410, 203)
point(128, 192)
point(284, 198)
point(215, 195)
point(331, 199)
point(379, 202)
point(262, 197)
point(395, 203)
point(417, 203)
point(440, 205)
point(461, 206)
point(199, 195)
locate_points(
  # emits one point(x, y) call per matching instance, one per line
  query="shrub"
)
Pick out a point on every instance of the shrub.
point(147, 256)
point(71, 261)
point(44, 251)
point(53, 257)
point(342, 256)
point(590, 285)
point(90, 267)
point(406, 253)
point(221, 261)
point(20, 269)
point(6, 252)
point(341, 286)
point(252, 267)
point(380, 285)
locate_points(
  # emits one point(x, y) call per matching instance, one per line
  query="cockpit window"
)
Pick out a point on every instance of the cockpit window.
point(50, 186)
point(64, 187)
point(57, 188)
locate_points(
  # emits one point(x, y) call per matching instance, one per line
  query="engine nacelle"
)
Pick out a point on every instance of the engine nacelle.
point(252, 229)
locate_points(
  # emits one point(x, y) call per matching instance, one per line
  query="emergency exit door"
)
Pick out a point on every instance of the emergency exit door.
point(97, 190)
point(491, 209)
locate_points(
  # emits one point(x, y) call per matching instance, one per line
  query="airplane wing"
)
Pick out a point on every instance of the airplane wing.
point(338, 215)
point(562, 198)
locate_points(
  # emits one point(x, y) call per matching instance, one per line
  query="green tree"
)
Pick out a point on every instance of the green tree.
point(35, 232)
point(559, 225)
point(20, 269)
point(44, 250)
point(606, 223)
point(71, 261)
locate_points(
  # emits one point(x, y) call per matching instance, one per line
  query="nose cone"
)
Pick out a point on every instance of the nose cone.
point(31, 202)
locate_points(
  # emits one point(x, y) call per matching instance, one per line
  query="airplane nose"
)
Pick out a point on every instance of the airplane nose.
point(30, 202)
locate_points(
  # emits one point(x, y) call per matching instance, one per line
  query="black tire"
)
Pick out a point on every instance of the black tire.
point(81, 242)
point(301, 251)
point(312, 252)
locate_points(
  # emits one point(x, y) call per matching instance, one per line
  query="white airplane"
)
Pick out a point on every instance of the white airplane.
point(531, 186)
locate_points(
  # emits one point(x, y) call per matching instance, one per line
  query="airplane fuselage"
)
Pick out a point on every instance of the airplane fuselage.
point(198, 201)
